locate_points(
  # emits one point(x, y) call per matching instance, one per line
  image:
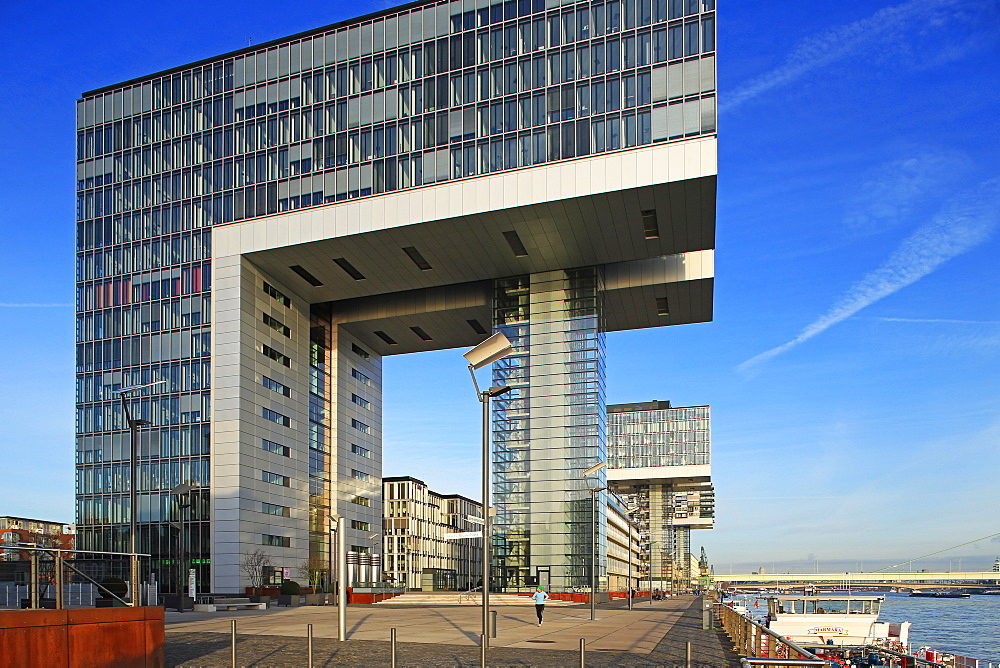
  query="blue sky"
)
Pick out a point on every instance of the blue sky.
point(852, 366)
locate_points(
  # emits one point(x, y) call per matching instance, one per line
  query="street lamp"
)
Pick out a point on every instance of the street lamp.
point(133, 428)
point(179, 491)
point(496, 347)
point(371, 538)
point(593, 535)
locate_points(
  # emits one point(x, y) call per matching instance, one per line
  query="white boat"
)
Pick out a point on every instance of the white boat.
point(811, 621)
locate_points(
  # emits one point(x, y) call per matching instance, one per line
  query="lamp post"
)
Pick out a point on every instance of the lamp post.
point(496, 347)
point(341, 574)
point(593, 535)
point(179, 491)
point(371, 538)
point(133, 428)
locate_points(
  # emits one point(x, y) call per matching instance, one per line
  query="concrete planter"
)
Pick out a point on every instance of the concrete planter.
point(288, 599)
point(315, 599)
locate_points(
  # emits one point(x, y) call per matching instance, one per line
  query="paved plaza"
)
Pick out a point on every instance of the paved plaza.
point(650, 635)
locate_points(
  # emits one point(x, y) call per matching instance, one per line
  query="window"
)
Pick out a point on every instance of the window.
point(274, 478)
point(276, 294)
point(360, 426)
point(275, 355)
point(361, 401)
point(277, 449)
point(276, 386)
point(361, 526)
point(359, 351)
point(271, 509)
point(360, 377)
point(360, 549)
point(277, 325)
point(361, 500)
point(274, 416)
point(275, 541)
point(358, 450)
point(361, 475)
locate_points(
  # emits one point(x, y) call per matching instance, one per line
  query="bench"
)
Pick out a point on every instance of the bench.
point(217, 604)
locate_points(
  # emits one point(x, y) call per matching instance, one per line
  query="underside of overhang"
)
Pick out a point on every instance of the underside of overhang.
point(598, 229)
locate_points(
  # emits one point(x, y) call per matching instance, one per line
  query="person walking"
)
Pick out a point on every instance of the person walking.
point(539, 598)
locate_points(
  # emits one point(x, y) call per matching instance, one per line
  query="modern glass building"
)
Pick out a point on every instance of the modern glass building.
point(260, 228)
point(659, 460)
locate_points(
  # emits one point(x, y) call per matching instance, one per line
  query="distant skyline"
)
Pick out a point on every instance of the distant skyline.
point(853, 366)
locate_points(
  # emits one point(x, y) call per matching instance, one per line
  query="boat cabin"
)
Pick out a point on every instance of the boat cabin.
point(833, 620)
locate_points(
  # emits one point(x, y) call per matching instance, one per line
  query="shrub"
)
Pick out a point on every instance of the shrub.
point(290, 588)
point(113, 585)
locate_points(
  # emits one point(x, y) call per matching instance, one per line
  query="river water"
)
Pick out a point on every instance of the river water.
point(966, 626)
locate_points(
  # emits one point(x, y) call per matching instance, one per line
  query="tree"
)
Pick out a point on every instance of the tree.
point(313, 570)
point(256, 564)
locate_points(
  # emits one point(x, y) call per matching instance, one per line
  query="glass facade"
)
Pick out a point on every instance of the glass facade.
point(413, 96)
point(654, 435)
point(548, 429)
point(659, 437)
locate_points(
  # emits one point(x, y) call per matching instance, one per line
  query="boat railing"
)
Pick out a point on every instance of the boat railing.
point(760, 645)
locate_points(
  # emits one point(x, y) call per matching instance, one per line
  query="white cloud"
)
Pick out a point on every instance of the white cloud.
point(966, 223)
point(835, 44)
point(892, 192)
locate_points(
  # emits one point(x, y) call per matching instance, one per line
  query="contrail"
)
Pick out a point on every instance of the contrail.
point(830, 46)
point(946, 321)
point(958, 228)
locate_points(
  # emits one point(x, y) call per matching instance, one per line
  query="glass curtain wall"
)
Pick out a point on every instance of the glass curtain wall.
point(320, 444)
point(548, 429)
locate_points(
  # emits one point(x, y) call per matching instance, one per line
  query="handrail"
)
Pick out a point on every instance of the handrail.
point(747, 662)
point(922, 662)
point(755, 641)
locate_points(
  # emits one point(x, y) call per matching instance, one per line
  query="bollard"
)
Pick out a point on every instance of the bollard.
point(687, 654)
point(392, 647)
point(309, 645)
point(706, 614)
point(232, 642)
point(493, 623)
point(583, 653)
point(482, 651)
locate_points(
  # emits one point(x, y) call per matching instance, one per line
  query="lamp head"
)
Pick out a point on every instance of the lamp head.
point(595, 468)
point(497, 390)
point(492, 349)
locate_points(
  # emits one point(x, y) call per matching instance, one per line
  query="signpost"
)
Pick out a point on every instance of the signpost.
point(475, 520)
point(463, 534)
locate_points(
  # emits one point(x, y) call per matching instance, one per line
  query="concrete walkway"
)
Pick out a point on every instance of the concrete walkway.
point(448, 636)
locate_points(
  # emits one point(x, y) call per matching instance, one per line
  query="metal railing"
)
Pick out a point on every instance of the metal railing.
point(473, 594)
point(61, 563)
point(756, 642)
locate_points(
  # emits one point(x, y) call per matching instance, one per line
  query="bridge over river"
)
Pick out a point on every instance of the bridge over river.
point(988, 579)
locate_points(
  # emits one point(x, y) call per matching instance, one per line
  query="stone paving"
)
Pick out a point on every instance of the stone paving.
point(649, 635)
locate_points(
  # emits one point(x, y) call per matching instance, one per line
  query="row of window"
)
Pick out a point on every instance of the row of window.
point(143, 256)
point(145, 287)
point(435, 92)
point(161, 411)
point(275, 417)
point(608, 95)
point(146, 349)
point(275, 355)
point(275, 386)
point(150, 476)
point(181, 441)
point(388, 33)
point(145, 318)
point(277, 325)
point(184, 376)
point(135, 226)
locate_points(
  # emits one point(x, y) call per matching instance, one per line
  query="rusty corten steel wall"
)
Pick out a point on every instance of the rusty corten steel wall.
point(82, 638)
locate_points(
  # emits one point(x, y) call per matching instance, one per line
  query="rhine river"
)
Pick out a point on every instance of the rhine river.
point(966, 626)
